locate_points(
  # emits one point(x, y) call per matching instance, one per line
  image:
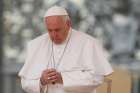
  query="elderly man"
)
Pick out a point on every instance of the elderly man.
point(63, 60)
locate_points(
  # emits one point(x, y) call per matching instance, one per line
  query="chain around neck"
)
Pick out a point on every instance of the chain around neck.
point(53, 62)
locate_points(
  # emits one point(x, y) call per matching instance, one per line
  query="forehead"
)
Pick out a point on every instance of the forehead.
point(54, 19)
point(54, 22)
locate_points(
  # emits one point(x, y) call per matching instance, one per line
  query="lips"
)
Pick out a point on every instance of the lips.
point(56, 39)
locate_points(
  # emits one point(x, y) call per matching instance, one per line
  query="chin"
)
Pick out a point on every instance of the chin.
point(58, 42)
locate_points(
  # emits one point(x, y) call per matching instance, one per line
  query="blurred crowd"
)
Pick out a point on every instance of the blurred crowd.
point(114, 22)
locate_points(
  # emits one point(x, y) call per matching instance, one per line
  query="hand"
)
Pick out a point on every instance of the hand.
point(50, 76)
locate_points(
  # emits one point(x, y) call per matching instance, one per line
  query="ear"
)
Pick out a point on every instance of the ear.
point(69, 23)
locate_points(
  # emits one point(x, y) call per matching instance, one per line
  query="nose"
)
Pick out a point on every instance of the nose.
point(54, 34)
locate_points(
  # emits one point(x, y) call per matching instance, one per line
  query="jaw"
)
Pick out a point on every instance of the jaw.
point(58, 41)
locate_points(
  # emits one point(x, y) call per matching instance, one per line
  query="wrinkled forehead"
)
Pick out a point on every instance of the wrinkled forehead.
point(54, 22)
point(54, 19)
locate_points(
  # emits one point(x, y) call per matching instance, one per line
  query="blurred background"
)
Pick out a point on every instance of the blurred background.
point(116, 23)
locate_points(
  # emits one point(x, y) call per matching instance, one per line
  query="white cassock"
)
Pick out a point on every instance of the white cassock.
point(83, 65)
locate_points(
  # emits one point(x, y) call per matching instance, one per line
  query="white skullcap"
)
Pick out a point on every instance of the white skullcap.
point(56, 11)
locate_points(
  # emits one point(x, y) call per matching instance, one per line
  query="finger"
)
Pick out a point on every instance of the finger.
point(53, 81)
point(44, 72)
point(58, 74)
point(53, 77)
point(57, 77)
point(52, 74)
point(47, 73)
point(48, 81)
point(50, 71)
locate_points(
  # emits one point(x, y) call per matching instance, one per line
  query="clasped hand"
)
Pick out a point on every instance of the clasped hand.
point(50, 76)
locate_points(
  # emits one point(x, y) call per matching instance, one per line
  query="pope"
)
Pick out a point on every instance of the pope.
point(63, 60)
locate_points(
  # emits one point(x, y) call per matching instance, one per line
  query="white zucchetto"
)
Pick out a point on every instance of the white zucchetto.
point(56, 11)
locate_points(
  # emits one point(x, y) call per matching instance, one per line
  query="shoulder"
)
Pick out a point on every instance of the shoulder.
point(82, 36)
point(38, 40)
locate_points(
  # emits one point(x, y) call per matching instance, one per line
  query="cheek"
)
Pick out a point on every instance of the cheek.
point(62, 34)
point(59, 35)
point(51, 35)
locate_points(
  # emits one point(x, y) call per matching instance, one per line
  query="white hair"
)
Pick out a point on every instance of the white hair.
point(66, 18)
